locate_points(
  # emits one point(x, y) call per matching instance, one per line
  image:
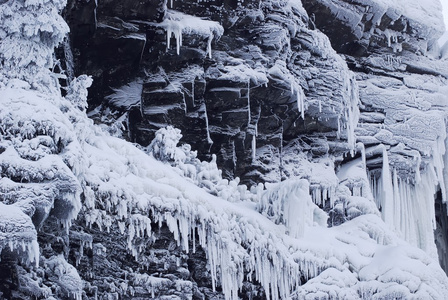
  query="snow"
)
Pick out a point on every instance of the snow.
point(428, 13)
point(353, 175)
point(424, 23)
point(55, 161)
point(413, 130)
point(126, 96)
point(320, 175)
point(289, 203)
point(234, 234)
point(178, 24)
point(67, 276)
point(18, 234)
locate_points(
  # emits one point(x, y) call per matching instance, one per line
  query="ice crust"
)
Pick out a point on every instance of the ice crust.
point(178, 24)
point(55, 162)
point(136, 190)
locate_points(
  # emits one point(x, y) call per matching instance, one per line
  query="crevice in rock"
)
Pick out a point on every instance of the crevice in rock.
point(441, 239)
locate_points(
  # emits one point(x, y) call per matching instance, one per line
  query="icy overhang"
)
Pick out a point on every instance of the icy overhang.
point(178, 23)
point(395, 25)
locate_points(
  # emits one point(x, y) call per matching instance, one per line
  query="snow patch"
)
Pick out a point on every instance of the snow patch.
point(177, 24)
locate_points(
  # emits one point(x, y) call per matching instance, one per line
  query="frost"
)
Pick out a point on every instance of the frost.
point(55, 162)
point(178, 24)
point(66, 276)
point(77, 91)
point(289, 203)
point(29, 33)
point(126, 96)
point(280, 72)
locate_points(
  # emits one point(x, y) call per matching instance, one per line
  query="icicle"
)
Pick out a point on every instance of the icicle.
point(301, 102)
point(396, 201)
point(94, 14)
point(234, 156)
point(352, 111)
point(418, 176)
point(387, 190)
point(209, 139)
point(168, 38)
point(178, 36)
point(248, 102)
point(360, 147)
point(34, 255)
point(185, 103)
point(438, 153)
point(193, 237)
point(388, 37)
point(209, 45)
point(407, 208)
point(184, 230)
point(172, 224)
point(338, 133)
point(143, 50)
point(192, 91)
point(254, 148)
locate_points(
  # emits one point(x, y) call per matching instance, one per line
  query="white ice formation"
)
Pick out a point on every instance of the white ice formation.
point(179, 24)
point(136, 190)
point(55, 162)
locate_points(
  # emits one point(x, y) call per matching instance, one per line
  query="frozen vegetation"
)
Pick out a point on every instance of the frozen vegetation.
point(57, 166)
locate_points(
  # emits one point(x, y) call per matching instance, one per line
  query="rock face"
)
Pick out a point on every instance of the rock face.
point(332, 112)
point(361, 28)
point(242, 84)
point(256, 82)
point(402, 83)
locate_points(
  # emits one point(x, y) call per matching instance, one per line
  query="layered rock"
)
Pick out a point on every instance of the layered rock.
point(259, 86)
point(402, 82)
point(243, 83)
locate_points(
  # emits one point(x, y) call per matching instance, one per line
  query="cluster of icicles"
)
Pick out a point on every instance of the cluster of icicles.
point(239, 247)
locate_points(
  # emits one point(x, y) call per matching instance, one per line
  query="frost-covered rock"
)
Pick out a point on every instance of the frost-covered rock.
point(29, 32)
point(359, 27)
point(270, 79)
point(402, 88)
point(18, 234)
point(89, 215)
point(127, 192)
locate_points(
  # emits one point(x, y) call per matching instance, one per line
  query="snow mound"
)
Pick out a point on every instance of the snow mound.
point(18, 234)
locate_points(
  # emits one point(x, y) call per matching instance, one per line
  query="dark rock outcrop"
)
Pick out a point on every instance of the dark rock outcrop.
point(269, 79)
point(258, 84)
